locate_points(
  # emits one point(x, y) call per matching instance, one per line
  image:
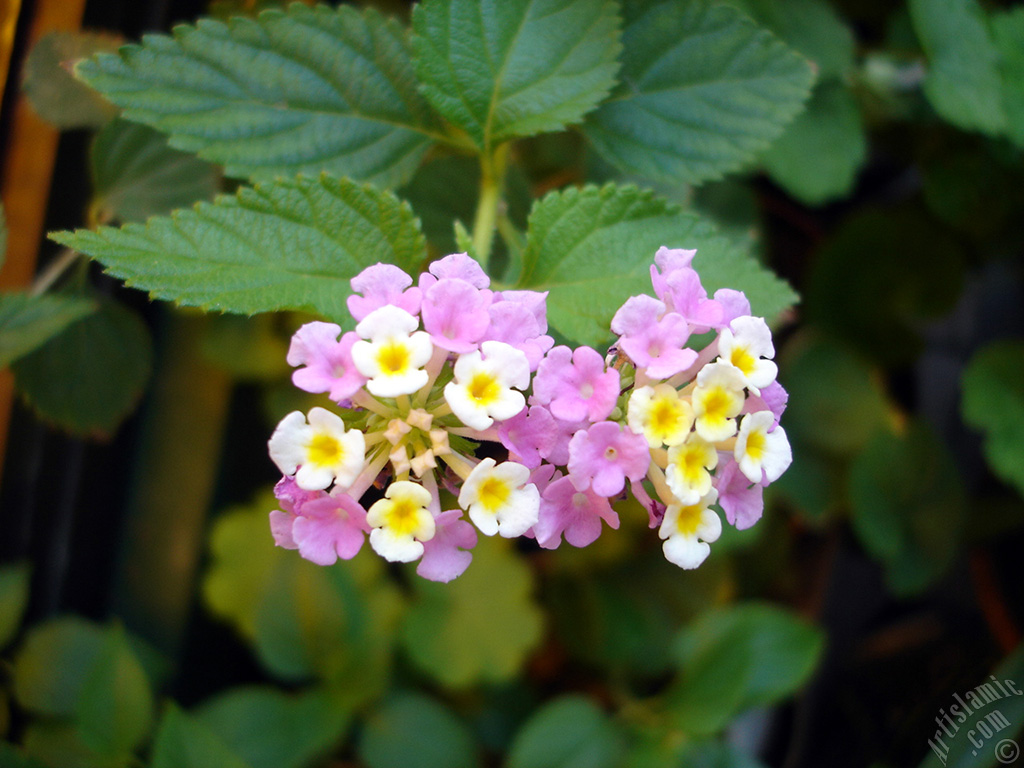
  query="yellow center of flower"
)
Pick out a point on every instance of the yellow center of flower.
point(691, 463)
point(393, 358)
point(716, 403)
point(403, 517)
point(484, 388)
point(324, 450)
point(756, 444)
point(493, 494)
point(743, 360)
point(689, 519)
point(667, 417)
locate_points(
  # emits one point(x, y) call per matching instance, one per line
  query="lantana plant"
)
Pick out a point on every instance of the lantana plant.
point(446, 385)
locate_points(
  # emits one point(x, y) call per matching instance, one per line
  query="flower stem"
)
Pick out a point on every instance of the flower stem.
point(492, 181)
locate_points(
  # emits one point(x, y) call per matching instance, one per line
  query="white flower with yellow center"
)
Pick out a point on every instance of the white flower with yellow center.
point(759, 449)
point(687, 470)
point(318, 453)
point(717, 400)
point(500, 499)
point(482, 390)
point(743, 344)
point(688, 529)
point(660, 415)
point(391, 353)
point(401, 522)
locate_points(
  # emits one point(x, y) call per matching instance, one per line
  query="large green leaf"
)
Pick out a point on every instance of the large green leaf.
point(114, 710)
point(272, 729)
point(811, 27)
point(836, 403)
point(53, 664)
point(592, 248)
point(288, 244)
point(135, 174)
point(304, 621)
point(908, 506)
point(413, 730)
point(740, 657)
point(1008, 34)
point(817, 157)
point(54, 93)
point(89, 378)
point(302, 90)
point(566, 733)
point(993, 401)
point(963, 82)
point(182, 741)
point(498, 69)
point(704, 90)
point(480, 627)
point(27, 322)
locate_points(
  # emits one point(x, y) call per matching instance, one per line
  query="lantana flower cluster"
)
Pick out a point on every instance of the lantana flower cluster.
point(456, 415)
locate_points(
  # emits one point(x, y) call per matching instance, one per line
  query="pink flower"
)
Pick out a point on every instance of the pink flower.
point(574, 513)
point(380, 285)
point(516, 324)
point(605, 455)
point(575, 385)
point(455, 314)
point(774, 398)
point(446, 555)
point(330, 527)
point(458, 266)
point(682, 292)
point(291, 498)
point(328, 362)
point(670, 259)
point(741, 500)
point(734, 304)
point(652, 338)
point(529, 436)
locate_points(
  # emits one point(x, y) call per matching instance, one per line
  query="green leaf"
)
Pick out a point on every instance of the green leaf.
point(54, 93)
point(27, 322)
point(657, 749)
point(249, 348)
point(14, 581)
point(993, 402)
point(90, 377)
point(835, 401)
point(811, 27)
point(135, 174)
point(10, 757)
point(498, 69)
point(704, 90)
point(740, 657)
point(818, 156)
point(53, 664)
point(182, 741)
point(857, 262)
point(413, 730)
point(1007, 33)
point(963, 82)
point(272, 729)
point(303, 90)
point(592, 248)
point(304, 621)
point(288, 244)
point(568, 732)
point(59, 745)
point(115, 706)
point(480, 627)
point(907, 503)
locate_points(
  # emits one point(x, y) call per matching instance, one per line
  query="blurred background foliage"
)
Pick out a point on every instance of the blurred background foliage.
point(147, 619)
